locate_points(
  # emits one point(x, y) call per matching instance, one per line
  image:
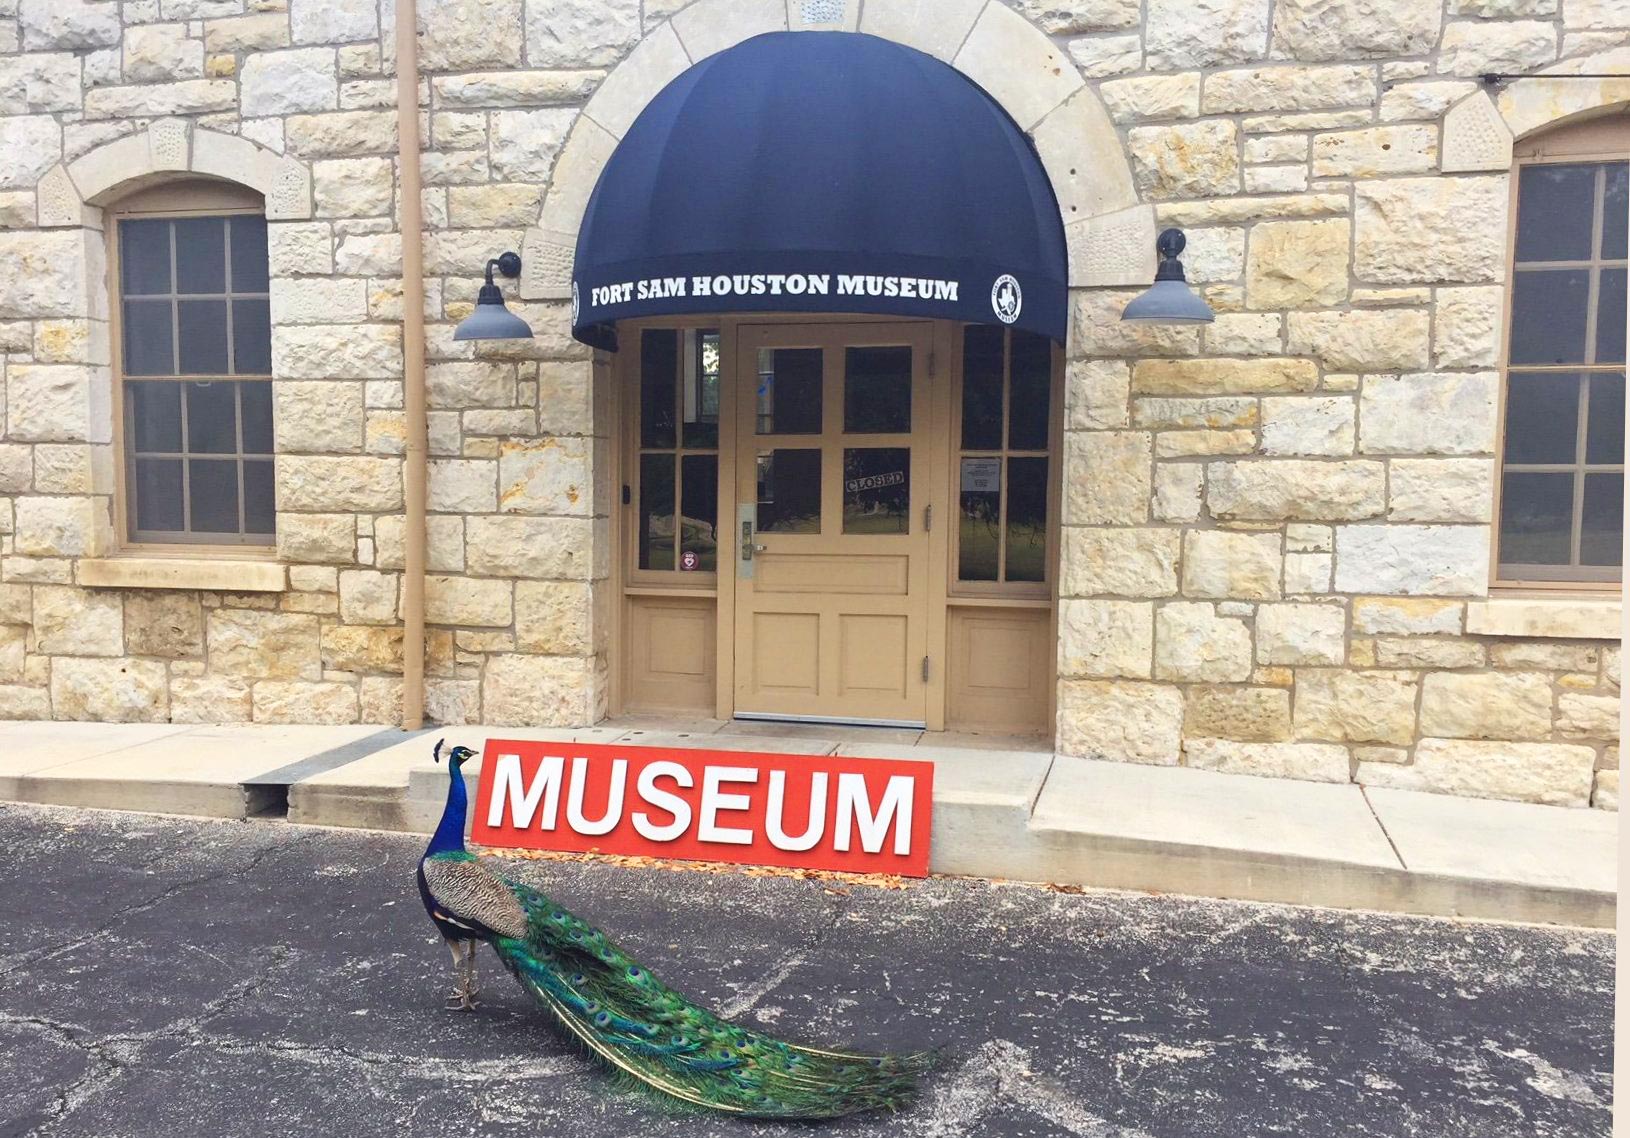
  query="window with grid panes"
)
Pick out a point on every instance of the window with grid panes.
point(1562, 473)
point(677, 491)
point(1007, 378)
point(194, 363)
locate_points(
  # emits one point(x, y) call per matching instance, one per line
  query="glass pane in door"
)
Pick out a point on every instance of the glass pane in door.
point(789, 391)
point(877, 490)
point(789, 491)
point(877, 390)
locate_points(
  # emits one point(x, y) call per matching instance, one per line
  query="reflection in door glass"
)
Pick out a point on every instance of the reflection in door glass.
point(789, 491)
point(876, 391)
point(877, 490)
point(701, 389)
point(699, 512)
point(659, 353)
point(1026, 519)
point(789, 391)
point(656, 533)
point(981, 387)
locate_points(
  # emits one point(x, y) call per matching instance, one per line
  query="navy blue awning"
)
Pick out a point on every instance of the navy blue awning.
point(822, 172)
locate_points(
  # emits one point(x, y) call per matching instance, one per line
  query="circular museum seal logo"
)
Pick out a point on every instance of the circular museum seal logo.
point(1006, 299)
point(576, 304)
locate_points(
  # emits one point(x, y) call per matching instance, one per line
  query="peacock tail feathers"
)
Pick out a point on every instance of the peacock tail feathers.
point(648, 1032)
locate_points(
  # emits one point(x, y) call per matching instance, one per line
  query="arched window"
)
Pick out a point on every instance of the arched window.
point(192, 365)
point(1562, 457)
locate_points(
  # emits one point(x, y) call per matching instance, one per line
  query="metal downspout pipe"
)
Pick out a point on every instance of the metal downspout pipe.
point(414, 472)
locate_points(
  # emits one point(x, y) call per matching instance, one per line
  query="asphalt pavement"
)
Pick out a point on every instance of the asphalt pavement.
point(175, 977)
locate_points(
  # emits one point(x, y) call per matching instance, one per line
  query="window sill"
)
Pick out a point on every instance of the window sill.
point(1569, 618)
point(230, 576)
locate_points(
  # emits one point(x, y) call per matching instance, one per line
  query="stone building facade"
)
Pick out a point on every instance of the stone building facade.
point(1275, 543)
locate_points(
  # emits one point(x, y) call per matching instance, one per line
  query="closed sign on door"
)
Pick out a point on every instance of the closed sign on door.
point(801, 811)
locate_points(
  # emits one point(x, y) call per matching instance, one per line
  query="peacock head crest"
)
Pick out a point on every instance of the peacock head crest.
point(455, 755)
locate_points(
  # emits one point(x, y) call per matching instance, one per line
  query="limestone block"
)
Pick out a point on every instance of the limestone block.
point(348, 21)
point(545, 476)
point(1073, 17)
point(1589, 716)
point(295, 248)
point(342, 134)
point(54, 402)
point(77, 622)
point(318, 300)
point(1475, 47)
point(353, 187)
point(1245, 334)
point(29, 146)
point(1215, 412)
point(1353, 29)
point(1593, 14)
point(1185, 160)
point(290, 81)
point(1311, 425)
point(1421, 652)
point(155, 52)
point(1243, 714)
point(181, 97)
point(1120, 562)
point(1428, 99)
point(1542, 655)
point(1355, 707)
point(1083, 158)
point(1467, 327)
point(1394, 149)
point(1122, 720)
point(1606, 796)
point(1177, 492)
point(260, 31)
point(1307, 634)
point(937, 27)
point(1204, 33)
point(524, 143)
point(1288, 89)
point(67, 25)
point(1294, 489)
point(1361, 339)
point(1109, 477)
point(1018, 65)
point(1096, 394)
point(1428, 413)
point(369, 254)
point(263, 645)
point(1194, 644)
point(556, 549)
point(285, 701)
point(337, 351)
point(1096, 328)
point(554, 617)
point(1475, 137)
point(471, 383)
point(1407, 615)
point(468, 601)
point(1441, 490)
point(1414, 231)
point(1235, 210)
point(163, 623)
point(39, 82)
point(451, 702)
point(479, 207)
point(367, 597)
point(1554, 774)
point(542, 691)
point(1112, 249)
point(444, 541)
point(1315, 762)
point(1105, 639)
point(1297, 264)
point(1225, 565)
point(563, 33)
point(1412, 560)
point(1189, 444)
point(209, 699)
point(330, 538)
point(109, 691)
point(362, 648)
point(58, 526)
point(312, 482)
point(1098, 57)
point(1222, 376)
point(1152, 97)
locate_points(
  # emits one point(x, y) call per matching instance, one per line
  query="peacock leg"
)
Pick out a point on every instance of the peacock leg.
point(460, 997)
point(469, 960)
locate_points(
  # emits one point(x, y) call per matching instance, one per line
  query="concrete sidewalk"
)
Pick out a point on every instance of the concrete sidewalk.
point(1000, 810)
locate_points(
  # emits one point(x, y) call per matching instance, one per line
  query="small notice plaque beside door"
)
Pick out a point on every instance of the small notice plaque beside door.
point(831, 812)
point(981, 475)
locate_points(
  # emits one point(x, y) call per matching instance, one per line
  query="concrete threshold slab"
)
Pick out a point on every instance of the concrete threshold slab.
point(27, 748)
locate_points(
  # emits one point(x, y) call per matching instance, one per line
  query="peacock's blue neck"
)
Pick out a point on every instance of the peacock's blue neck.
point(449, 835)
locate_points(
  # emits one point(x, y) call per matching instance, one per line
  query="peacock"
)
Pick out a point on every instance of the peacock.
point(619, 1011)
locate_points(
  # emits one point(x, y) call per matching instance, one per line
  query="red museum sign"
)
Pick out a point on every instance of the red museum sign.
point(802, 811)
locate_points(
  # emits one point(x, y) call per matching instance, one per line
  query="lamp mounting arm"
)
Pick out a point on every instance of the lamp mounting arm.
point(507, 264)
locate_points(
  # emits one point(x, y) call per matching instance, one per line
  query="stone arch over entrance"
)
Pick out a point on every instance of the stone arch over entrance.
point(1109, 233)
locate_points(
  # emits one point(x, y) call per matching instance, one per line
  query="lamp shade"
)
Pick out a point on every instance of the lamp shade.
point(1168, 302)
point(491, 320)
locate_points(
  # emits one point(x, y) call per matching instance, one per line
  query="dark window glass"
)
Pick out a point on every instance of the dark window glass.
point(877, 391)
point(981, 387)
point(257, 417)
point(979, 539)
point(1031, 371)
point(1610, 318)
point(656, 511)
point(1548, 310)
point(1604, 429)
point(251, 337)
point(701, 393)
point(147, 332)
point(1615, 203)
point(212, 418)
point(699, 515)
point(1536, 518)
point(1602, 520)
point(1542, 417)
point(1555, 212)
point(200, 254)
point(155, 414)
point(1026, 519)
point(789, 391)
point(157, 489)
point(248, 253)
point(201, 328)
point(144, 257)
point(259, 502)
point(877, 490)
point(789, 491)
point(212, 485)
point(659, 362)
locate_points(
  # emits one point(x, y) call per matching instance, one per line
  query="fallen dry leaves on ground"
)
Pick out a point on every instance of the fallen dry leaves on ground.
point(834, 880)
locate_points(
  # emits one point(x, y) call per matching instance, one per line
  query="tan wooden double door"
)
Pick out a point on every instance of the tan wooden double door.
point(832, 551)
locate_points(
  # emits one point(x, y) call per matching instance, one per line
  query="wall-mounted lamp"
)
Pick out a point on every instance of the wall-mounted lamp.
point(491, 320)
point(1169, 300)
